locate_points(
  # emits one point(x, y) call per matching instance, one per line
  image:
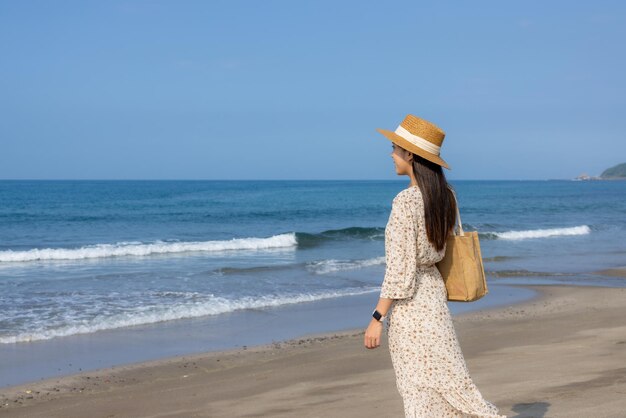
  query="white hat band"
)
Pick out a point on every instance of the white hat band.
point(416, 140)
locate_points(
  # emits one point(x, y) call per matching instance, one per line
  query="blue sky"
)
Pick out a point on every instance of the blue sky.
point(296, 89)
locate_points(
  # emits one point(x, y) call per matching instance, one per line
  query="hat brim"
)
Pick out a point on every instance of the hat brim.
point(394, 137)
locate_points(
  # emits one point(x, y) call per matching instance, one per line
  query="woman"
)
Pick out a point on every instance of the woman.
point(431, 374)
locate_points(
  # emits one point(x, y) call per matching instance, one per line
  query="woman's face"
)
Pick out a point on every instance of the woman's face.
point(402, 159)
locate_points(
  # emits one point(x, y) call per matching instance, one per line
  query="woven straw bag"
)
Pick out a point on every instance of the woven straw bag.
point(462, 266)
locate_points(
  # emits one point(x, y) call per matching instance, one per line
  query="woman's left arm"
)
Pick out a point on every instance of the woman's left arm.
point(374, 330)
point(400, 260)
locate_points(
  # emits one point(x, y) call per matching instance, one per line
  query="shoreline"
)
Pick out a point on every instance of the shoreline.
point(24, 363)
point(520, 357)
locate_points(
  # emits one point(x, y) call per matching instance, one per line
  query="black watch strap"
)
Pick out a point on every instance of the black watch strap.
point(377, 316)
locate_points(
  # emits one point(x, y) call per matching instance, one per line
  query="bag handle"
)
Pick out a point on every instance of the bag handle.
point(458, 215)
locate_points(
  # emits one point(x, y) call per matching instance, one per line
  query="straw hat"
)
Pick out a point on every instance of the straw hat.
point(420, 137)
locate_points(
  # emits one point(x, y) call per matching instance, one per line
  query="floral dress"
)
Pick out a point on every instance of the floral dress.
point(431, 374)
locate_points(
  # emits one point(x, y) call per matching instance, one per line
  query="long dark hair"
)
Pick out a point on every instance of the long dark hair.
point(439, 203)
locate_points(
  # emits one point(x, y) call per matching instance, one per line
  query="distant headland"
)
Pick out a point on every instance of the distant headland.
point(617, 172)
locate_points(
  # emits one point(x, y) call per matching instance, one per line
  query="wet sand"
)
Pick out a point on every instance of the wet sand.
point(26, 362)
point(562, 354)
point(614, 272)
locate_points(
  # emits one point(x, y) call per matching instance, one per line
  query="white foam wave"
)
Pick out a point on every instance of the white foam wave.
point(210, 306)
point(144, 249)
point(329, 266)
point(543, 233)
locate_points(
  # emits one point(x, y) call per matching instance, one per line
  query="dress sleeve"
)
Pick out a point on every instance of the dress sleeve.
point(400, 251)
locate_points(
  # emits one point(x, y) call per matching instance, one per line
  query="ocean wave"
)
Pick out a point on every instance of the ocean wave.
point(330, 266)
point(254, 269)
point(306, 239)
point(539, 233)
point(210, 305)
point(523, 273)
point(315, 267)
point(145, 249)
point(498, 258)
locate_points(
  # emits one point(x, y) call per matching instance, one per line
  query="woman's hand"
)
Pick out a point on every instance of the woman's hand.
point(373, 333)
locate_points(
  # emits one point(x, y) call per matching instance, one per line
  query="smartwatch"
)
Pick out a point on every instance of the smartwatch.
point(377, 316)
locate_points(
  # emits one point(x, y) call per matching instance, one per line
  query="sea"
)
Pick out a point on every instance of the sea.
point(98, 273)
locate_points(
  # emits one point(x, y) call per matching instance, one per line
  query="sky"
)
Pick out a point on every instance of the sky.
point(296, 89)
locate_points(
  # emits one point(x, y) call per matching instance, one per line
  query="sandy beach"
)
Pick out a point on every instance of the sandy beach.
point(562, 354)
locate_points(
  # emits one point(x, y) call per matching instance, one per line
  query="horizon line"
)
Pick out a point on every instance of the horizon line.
point(210, 179)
